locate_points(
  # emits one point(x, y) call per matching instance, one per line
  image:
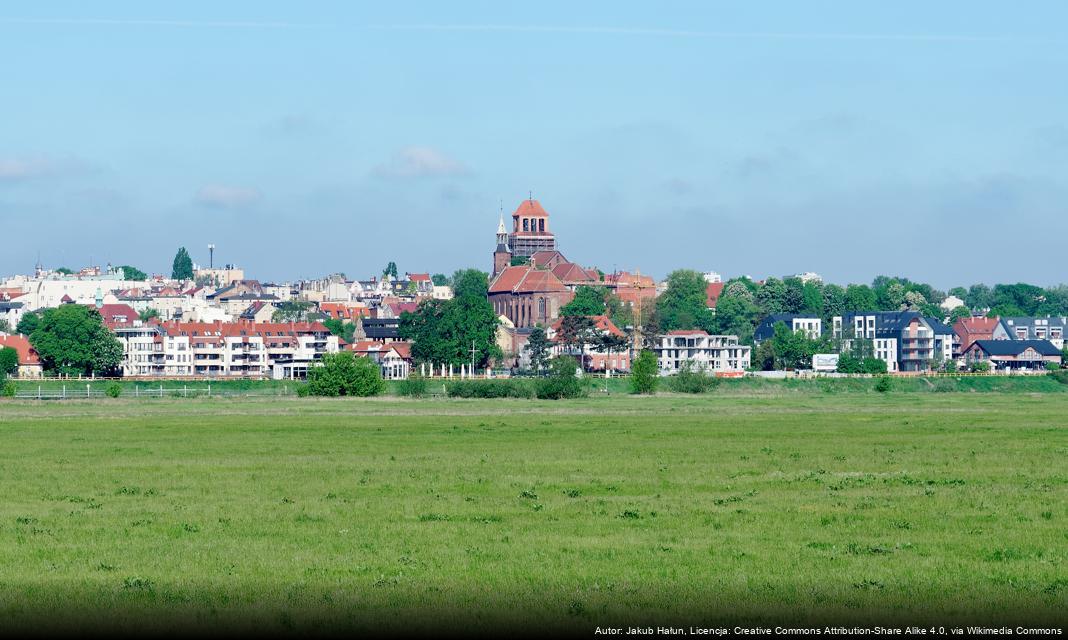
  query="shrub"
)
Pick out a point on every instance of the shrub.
point(1052, 366)
point(883, 385)
point(113, 390)
point(562, 381)
point(414, 386)
point(343, 374)
point(488, 389)
point(1060, 376)
point(9, 361)
point(9, 389)
point(874, 366)
point(692, 379)
point(644, 373)
point(980, 367)
point(848, 363)
point(303, 391)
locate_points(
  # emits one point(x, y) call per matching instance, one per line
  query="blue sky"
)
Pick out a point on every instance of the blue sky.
point(853, 139)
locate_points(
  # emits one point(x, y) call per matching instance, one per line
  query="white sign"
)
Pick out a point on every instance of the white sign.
point(825, 362)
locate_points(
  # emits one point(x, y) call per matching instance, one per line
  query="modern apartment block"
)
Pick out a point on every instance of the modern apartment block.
point(1052, 328)
point(225, 350)
point(812, 326)
point(904, 340)
point(712, 353)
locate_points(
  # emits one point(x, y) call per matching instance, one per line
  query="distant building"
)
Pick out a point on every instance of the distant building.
point(951, 303)
point(712, 276)
point(904, 340)
point(811, 326)
point(29, 362)
point(1050, 328)
point(617, 360)
point(528, 296)
point(712, 354)
point(530, 230)
point(1013, 354)
point(968, 330)
point(808, 277)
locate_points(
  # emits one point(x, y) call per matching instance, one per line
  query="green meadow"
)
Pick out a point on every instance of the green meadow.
point(391, 514)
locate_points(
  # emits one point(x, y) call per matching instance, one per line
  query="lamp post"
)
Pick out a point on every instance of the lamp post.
point(211, 256)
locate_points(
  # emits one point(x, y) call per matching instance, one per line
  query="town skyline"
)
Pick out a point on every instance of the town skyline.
point(852, 142)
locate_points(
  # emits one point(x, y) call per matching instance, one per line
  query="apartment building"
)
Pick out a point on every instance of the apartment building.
point(904, 340)
point(225, 350)
point(811, 326)
point(1050, 328)
point(712, 353)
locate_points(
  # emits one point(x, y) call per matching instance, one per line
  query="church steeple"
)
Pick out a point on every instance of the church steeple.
point(502, 255)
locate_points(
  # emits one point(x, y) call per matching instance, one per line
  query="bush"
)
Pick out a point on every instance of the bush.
point(489, 389)
point(1060, 376)
point(303, 391)
point(848, 363)
point(562, 382)
point(691, 379)
point(980, 367)
point(113, 390)
point(1052, 366)
point(9, 389)
point(874, 366)
point(883, 385)
point(414, 386)
point(644, 373)
point(343, 374)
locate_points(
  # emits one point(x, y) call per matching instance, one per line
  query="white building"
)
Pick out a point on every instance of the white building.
point(713, 354)
point(712, 277)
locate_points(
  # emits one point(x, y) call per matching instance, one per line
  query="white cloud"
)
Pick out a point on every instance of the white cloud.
point(15, 169)
point(420, 162)
point(226, 197)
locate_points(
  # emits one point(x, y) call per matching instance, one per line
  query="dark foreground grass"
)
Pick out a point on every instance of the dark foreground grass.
point(397, 515)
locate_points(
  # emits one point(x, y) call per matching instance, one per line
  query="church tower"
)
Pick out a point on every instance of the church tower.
point(502, 255)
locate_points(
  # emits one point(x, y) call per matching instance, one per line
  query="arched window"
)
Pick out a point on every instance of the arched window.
point(525, 225)
point(541, 225)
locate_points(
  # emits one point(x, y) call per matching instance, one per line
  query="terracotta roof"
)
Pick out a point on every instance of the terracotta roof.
point(530, 208)
point(687, 332)
point(601, 323)
point(118, 315)
point(525, 279)
point(542, 258)
point(571, 272)
point(21, 344)
point(712, 293)
point(419, 277)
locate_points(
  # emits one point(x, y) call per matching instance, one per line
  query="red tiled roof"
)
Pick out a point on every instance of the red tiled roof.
point(118, 315)
point(712, 293)
point(419, 277)
point(601, 323)
point(687, 332)
point(571, 272)
point(530, 208)
point(542, 258)
point(21, 344)
point(525, 279)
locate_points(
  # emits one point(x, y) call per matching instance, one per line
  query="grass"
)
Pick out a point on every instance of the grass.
point(390, 514)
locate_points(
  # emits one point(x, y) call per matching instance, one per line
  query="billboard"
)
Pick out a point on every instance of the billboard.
point(825, 362)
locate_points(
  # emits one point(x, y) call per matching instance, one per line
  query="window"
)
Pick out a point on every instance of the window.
point(541, 225)
point(525, 225)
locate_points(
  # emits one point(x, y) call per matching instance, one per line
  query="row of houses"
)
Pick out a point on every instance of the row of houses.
point(909, 342)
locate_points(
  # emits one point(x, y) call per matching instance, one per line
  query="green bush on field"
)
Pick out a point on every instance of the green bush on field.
point(344, 374)
point(502, 388)
point(9, 389)
point(414, 386)
point(562, 382)
point(113, 390)
point(883, 385)
point(1060, 376)
point(692, 379)
point(644, 373)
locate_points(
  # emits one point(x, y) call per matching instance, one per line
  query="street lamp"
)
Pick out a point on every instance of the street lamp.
point(211, 256)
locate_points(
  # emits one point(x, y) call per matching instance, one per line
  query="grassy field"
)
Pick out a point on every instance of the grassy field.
point(947, 508)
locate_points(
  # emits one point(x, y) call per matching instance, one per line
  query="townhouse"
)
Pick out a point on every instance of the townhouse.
point(1050, 328)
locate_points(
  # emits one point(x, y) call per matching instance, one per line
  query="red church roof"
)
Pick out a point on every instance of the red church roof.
point(530, 209)
point(525, 279)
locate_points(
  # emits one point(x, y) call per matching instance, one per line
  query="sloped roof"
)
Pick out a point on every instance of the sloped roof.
point(1016, 347)
point(525, 279)
point(712, 293)
point(571, 272)
point(602, 323)
point(21, 344)
point(542, 258)
point(118, 314)
point(530, 209)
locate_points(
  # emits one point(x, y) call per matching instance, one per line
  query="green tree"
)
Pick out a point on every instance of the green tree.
point(443, 331)
point(390, 270)
point(519, 261)
point(860, 297)
point(794, 349)
point(470, 283)
point(644, 373)
point(609, 343)
point(291, 311)
point(959, 312)
point(538, 348)
point(795, 295)
point(133, 273)
point(848, 363)
point(979, 297)
point(5, 327)
point(834, 302)
point(9, 361)
point(148, 314)
point(812, 298)
point(65, 271)
point(562, 382)
point(341, 329)
point(28, 323)
point(72, 339)
point(344, 374)
point(575, 333)
point(771, 298)
point(182, 267)
point(684, 304)
point(736, 316)
point(439, 279)
point(588, 301)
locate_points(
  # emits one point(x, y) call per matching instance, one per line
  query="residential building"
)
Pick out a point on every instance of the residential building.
point(1050, 328)
point(1013, 355)
point(712, 277)
point(713, 290)
point(968, 330)
point(394, 358)
point(592, 359)
point(29, 362)
point(810, 325)
point(11, 312)
point(905, 340)
point(219, 277)
point(713, 354)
